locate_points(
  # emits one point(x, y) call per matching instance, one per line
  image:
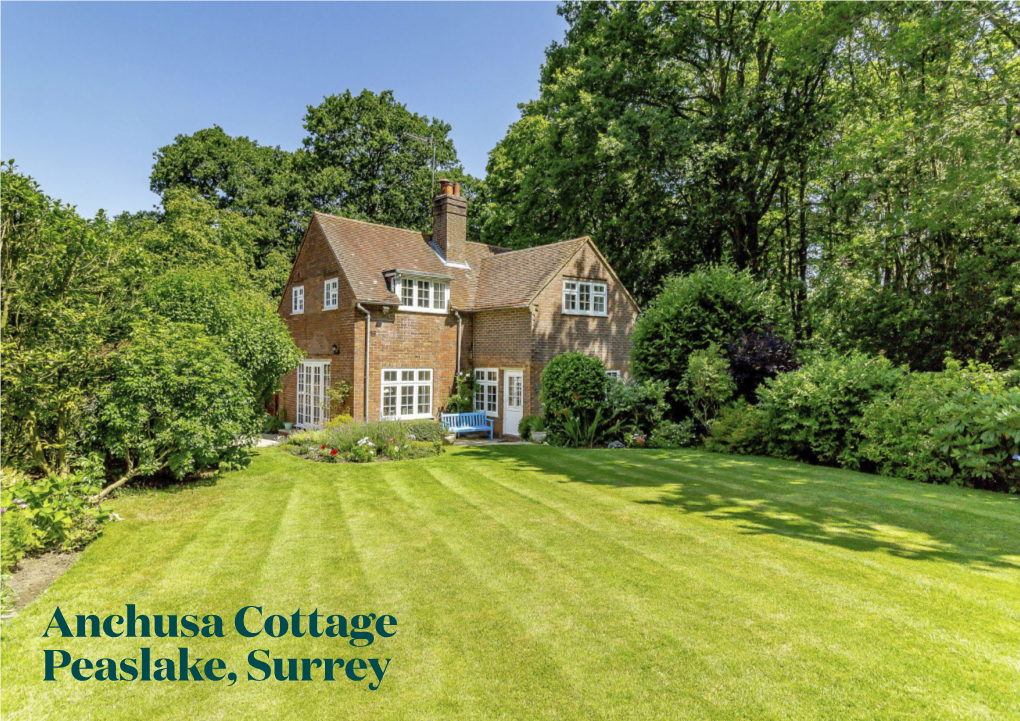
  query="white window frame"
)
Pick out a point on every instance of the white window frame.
point(416, 383)
point(331, 294)
point(487, 383)
point(574, 291)
point(614, 374)
point(297, 300)
point(426, 296)
point(312, 394)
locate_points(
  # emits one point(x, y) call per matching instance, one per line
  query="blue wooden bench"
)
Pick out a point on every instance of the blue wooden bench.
point(457, 423)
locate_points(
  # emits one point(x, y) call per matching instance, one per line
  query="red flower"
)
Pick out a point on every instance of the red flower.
point(333, 452)
point(576, 397)
point(641, 441)
point(322, 447)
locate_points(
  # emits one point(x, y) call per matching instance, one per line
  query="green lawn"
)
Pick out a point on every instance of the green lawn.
point(532, 582)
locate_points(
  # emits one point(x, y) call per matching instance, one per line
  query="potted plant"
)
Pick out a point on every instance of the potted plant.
point(282, 414)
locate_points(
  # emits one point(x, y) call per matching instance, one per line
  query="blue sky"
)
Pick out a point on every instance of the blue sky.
point(89, 91)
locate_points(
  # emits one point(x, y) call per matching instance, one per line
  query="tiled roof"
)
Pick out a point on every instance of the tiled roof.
point(496, 277)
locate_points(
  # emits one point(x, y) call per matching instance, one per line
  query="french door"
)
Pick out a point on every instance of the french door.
point(312, 396)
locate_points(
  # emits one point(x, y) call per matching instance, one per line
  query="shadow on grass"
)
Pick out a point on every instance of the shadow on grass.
point(765, 496)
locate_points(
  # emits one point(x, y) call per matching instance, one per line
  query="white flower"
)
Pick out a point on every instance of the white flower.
point(366, 442)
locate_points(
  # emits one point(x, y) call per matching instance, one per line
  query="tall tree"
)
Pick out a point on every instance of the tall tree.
point(667, 130)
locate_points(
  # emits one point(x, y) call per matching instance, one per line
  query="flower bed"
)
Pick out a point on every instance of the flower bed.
point(349, 441)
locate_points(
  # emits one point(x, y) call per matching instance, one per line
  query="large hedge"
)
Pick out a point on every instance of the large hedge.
point(177, 402)
point(692, 311)
point(245, 320)
point(810, 414)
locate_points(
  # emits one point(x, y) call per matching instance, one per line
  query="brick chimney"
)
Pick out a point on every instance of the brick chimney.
point(449, 222)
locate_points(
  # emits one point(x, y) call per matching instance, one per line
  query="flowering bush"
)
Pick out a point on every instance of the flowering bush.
point(575, 386)
point(363, 442)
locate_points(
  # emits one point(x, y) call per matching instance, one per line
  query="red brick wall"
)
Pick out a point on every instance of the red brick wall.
point(503, 339)
point(555, 332)
point(316, 330)
point(406, 340)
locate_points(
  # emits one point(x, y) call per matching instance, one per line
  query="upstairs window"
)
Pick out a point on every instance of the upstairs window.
point(486, 390)
point(297, 300)
point(613, 374)
point(426, 296)
point(331, 294)
point(583, 297)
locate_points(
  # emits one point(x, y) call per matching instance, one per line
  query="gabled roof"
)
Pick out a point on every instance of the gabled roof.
point(495, 277)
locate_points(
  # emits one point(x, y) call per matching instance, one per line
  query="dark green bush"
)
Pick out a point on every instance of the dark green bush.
point(737, 429)
point(573, 385)
point(692, 311)
point(674, 435)
point(528, 425)
point(811, 413)
point(639, 407)
point(956, 426)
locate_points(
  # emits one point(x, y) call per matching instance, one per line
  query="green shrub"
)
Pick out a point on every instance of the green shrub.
point(176, 401)
point(462, 399)
point(425, 430)
point(574, 385)
point(674, 435)
point(244, 321)
point(582, 429)
point(57, 510)
point(737, 429)
point(639, 407)
point(811, 414)
point(689, 313)
point(707, 384)
point(981, 442)
point(16, 538)
point(528, 425)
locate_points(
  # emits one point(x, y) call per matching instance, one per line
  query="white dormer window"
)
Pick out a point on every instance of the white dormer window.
point(331, 294)
point(583, 297)
point(424, 296)
point(297, 300)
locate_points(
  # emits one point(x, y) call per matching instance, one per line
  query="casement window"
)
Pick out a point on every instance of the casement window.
point(297, 300)
point(406, 393)
point(613, 374)
point(312, 394)
point(425, 296)
point(583, 297)
point(331, 294)
point(486, 391)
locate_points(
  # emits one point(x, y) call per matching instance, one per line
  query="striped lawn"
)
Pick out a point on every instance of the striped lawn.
point(533, 582)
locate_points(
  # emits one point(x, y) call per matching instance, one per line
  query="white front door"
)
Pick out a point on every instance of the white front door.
point(513, 402)
point(312, 399)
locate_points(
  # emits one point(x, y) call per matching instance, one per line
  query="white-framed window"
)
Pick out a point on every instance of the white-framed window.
point(297, 300)
point(424, 296)
point(312, 394)
point(331, 294)
point(406, 393)
point(487, 390)
point(584, 297)
point(613, 374)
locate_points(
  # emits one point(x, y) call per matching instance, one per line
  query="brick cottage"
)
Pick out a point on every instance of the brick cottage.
point(396, 313)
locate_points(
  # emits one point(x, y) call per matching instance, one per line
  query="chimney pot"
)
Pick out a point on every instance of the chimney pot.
point(456, 188)
point(445, 187)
